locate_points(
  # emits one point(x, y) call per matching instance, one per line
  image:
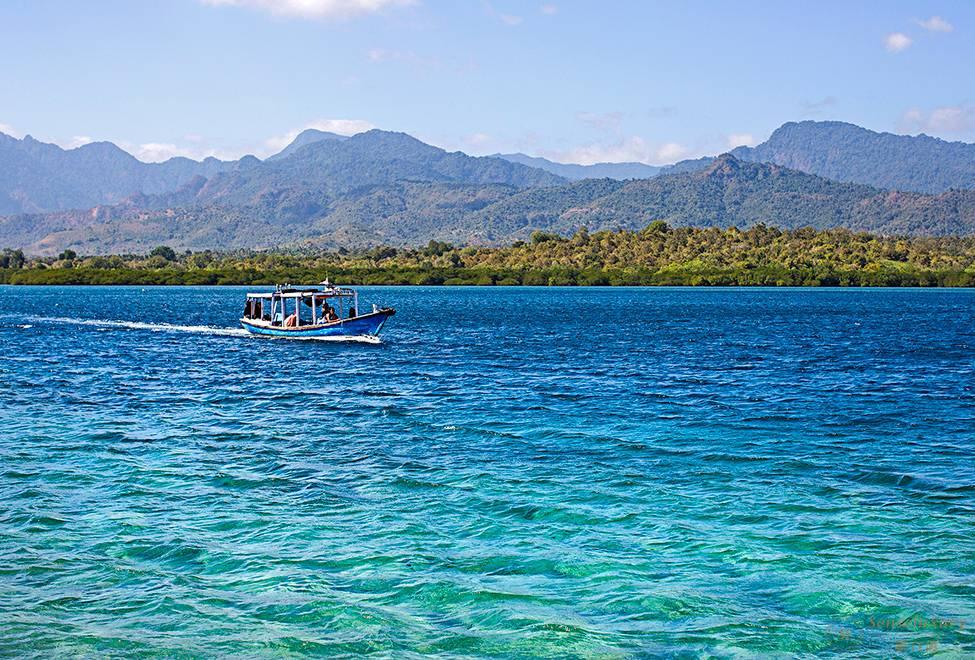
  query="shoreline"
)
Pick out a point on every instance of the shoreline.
point(658, 255)
point(554, 277)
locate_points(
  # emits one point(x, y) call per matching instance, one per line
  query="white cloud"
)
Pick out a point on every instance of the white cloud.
point(318, 9)
point(936, 24)
point(625, 150)
point(474, 144)
point(946, 119)
point(670, 152)
point(9, 130)
point(382, 55)
point(549, 9)
point(895, 42)
point(741, 140)
point(74, 142)
point(478, 139)
point(341, 126)
point(199, 147)
point(630, 149)
point(71, 143)
point(157, 152)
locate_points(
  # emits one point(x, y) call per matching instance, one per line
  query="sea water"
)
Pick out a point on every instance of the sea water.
point(512, 472)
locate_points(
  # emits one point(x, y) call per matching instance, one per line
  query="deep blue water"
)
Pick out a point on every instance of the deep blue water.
point(514, 472)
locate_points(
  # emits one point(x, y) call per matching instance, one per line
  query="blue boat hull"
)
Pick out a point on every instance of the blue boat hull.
point(367, 325)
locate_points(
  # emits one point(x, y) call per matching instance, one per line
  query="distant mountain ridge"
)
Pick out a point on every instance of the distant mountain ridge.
point(732, 192)
point(386, 187)
point(252, 212)
point(846, 152)
point(306, 137)
point(317, 173)
point(832, 149)
point(37, 176)
point(574, 172)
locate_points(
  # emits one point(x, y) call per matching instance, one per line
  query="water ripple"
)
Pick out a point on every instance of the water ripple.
point(513, 472)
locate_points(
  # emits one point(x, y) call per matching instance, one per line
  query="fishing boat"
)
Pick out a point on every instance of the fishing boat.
point(312, 312)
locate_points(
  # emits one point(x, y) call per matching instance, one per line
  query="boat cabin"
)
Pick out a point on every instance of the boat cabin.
point(325, 311)
point(294, 307)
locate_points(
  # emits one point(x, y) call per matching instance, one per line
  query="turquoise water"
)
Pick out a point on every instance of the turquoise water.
point(514, 472)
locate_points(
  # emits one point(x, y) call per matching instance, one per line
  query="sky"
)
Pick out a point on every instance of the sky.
point(571, 80)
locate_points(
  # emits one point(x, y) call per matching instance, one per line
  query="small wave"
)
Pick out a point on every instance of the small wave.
point(355, 339)
point(197, 329)
point(140, 325)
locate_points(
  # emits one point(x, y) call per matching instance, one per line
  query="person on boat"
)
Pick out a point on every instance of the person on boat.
point(329, 314)
point(291, 321)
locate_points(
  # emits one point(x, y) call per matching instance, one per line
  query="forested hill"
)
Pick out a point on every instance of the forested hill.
point(248, 211)
point(314, 176)
point(729, 192)
point(654, 255)
point(846, 152)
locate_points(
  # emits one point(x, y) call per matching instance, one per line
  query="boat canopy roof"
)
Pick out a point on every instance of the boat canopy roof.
point(324, 290)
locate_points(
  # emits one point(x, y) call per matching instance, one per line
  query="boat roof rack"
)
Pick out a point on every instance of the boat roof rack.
point(323, 290)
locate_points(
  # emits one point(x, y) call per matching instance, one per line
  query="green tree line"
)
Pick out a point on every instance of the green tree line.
point(657, 255)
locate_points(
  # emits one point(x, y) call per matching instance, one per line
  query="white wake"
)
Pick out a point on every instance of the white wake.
point(196, 329)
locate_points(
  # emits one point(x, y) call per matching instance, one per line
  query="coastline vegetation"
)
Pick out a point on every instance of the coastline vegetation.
point(657, 255)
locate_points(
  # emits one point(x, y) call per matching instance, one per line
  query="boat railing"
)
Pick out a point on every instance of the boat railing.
point(313, 297)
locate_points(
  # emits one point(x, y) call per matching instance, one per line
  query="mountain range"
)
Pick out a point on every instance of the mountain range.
point(37, 177)
point(306, 137)
point(846, 152)
point(573, 172)
point(381, 187)
point(832, 149)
